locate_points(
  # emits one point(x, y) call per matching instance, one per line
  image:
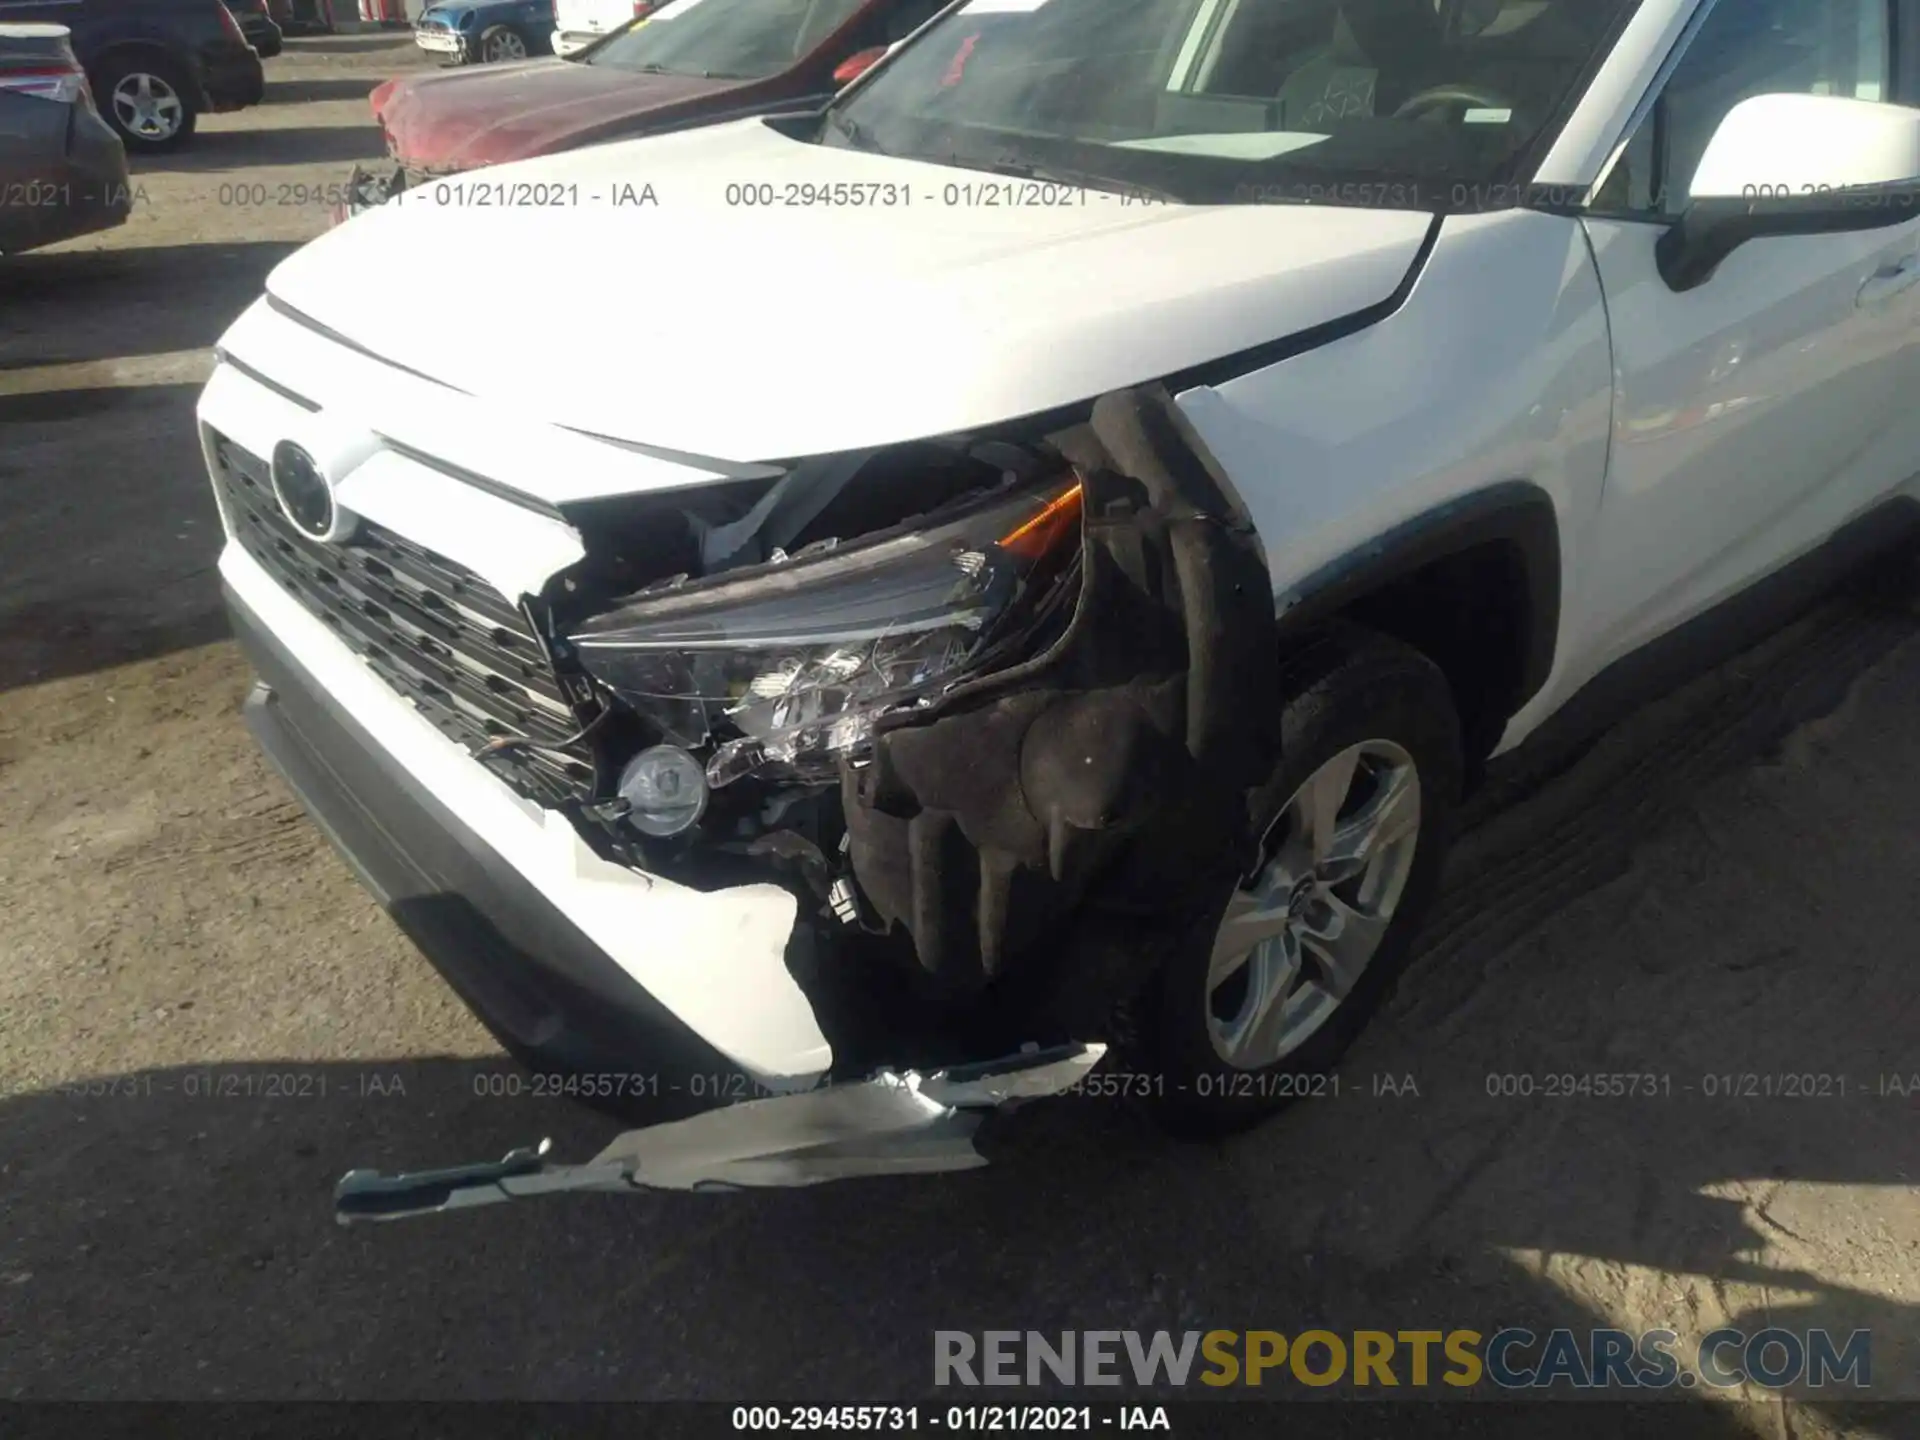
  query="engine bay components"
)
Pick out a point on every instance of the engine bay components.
point(1080, 804)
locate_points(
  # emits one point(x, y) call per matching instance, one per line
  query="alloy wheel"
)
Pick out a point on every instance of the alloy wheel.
point(1298, 936)
point(506, 46)
point(147, 106)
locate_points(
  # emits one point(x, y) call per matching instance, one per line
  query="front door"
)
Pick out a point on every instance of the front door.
point(1759, 411)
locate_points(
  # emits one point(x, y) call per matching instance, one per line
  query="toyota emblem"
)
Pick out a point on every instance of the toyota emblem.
point(303, 492)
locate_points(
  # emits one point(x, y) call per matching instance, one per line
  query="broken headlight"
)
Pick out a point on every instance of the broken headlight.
point(802, 656)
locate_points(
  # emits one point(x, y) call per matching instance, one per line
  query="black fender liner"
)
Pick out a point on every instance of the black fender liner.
point(1515, 513)
point(1114, 779)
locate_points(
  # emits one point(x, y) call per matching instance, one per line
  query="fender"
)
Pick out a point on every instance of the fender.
point(1516, 513)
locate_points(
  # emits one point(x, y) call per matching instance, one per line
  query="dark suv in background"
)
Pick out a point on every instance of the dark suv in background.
point(259, 24)
point(155, 65)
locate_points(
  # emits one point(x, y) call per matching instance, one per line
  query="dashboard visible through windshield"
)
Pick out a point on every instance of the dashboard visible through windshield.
point(1425, 104)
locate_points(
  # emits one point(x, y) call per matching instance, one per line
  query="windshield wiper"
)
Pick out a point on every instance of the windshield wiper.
point(1054, 175)
point(853, 132)
point(653, 67)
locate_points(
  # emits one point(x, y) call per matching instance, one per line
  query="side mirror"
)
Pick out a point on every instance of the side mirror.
point(854, 66)
point(1795, 165)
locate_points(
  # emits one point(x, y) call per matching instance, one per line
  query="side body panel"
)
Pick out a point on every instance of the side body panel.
point(1496, 369)
point(1756, 415)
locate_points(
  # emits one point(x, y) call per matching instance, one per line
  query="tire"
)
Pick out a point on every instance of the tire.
point(1350, 693)
point(500, 43)
point(167, 119)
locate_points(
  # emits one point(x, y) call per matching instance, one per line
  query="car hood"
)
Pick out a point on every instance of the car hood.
point(460, 119)
point(702, 323)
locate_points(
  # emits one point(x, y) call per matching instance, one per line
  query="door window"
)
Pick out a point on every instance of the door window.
point(1747, 48)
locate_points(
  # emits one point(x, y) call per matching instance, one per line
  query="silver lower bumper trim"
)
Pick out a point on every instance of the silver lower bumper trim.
point(895, 1123)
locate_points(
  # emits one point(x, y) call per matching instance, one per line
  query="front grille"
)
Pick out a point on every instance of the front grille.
point(436, 632)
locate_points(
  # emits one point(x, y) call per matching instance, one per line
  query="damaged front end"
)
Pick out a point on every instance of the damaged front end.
point(1005, 753)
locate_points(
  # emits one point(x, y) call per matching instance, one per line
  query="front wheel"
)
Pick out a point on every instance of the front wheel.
point(1282, 977)
point(502, 42)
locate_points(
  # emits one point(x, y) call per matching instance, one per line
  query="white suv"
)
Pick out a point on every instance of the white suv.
point(580, 23)
point(1033, 554)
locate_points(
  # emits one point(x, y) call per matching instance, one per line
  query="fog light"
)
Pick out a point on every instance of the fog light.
point(667, 789)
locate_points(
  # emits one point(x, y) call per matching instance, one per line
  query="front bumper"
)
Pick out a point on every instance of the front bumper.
point(892, 1123)
point(542, 986)
point(441, 42)
point(576, 963)
point(262, 34)
point(572, 42)
point(555, 997)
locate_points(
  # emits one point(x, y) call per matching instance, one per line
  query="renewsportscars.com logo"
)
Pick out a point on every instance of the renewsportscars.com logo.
point(1511, 1359)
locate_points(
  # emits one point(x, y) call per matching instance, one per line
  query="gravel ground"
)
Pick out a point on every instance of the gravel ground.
point(1722, 887)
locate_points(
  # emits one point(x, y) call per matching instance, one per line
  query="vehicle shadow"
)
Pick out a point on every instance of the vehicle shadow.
point(182, 1215)
point(397, 38)
point(299, 92)
point(213, 151)
point(64, 307)
point(108, 531)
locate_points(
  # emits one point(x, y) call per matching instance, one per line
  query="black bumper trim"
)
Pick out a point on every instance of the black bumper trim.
point(541, 985)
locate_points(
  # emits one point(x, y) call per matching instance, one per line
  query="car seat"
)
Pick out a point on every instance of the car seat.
point(1373, 40)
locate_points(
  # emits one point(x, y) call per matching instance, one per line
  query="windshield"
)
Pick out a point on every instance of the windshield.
point(1429, 104)
point(724, 39)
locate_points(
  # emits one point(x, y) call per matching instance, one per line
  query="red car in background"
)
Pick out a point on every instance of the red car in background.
point(692, 62)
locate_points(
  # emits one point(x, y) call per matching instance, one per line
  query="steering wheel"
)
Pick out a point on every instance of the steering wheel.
point(1442, 97)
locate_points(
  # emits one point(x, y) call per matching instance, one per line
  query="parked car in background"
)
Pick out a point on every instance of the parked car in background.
point(475, 32)
point(63, 171)
point(154, 65)
point(258, 25)
point(580, 23)
point(303, 17)
point(692, 62)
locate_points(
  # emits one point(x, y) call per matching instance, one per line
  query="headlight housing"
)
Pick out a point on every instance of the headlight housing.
point(802, 656)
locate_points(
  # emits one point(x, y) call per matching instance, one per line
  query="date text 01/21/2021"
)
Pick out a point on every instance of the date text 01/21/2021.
point(232, 1085)
point(965, 1419)
point(485, 194)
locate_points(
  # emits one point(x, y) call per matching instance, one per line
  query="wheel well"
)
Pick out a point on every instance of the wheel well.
point(149, 51)
point(1472, 613)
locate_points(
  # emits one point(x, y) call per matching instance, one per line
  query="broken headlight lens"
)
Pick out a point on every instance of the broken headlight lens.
point(801, 657)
